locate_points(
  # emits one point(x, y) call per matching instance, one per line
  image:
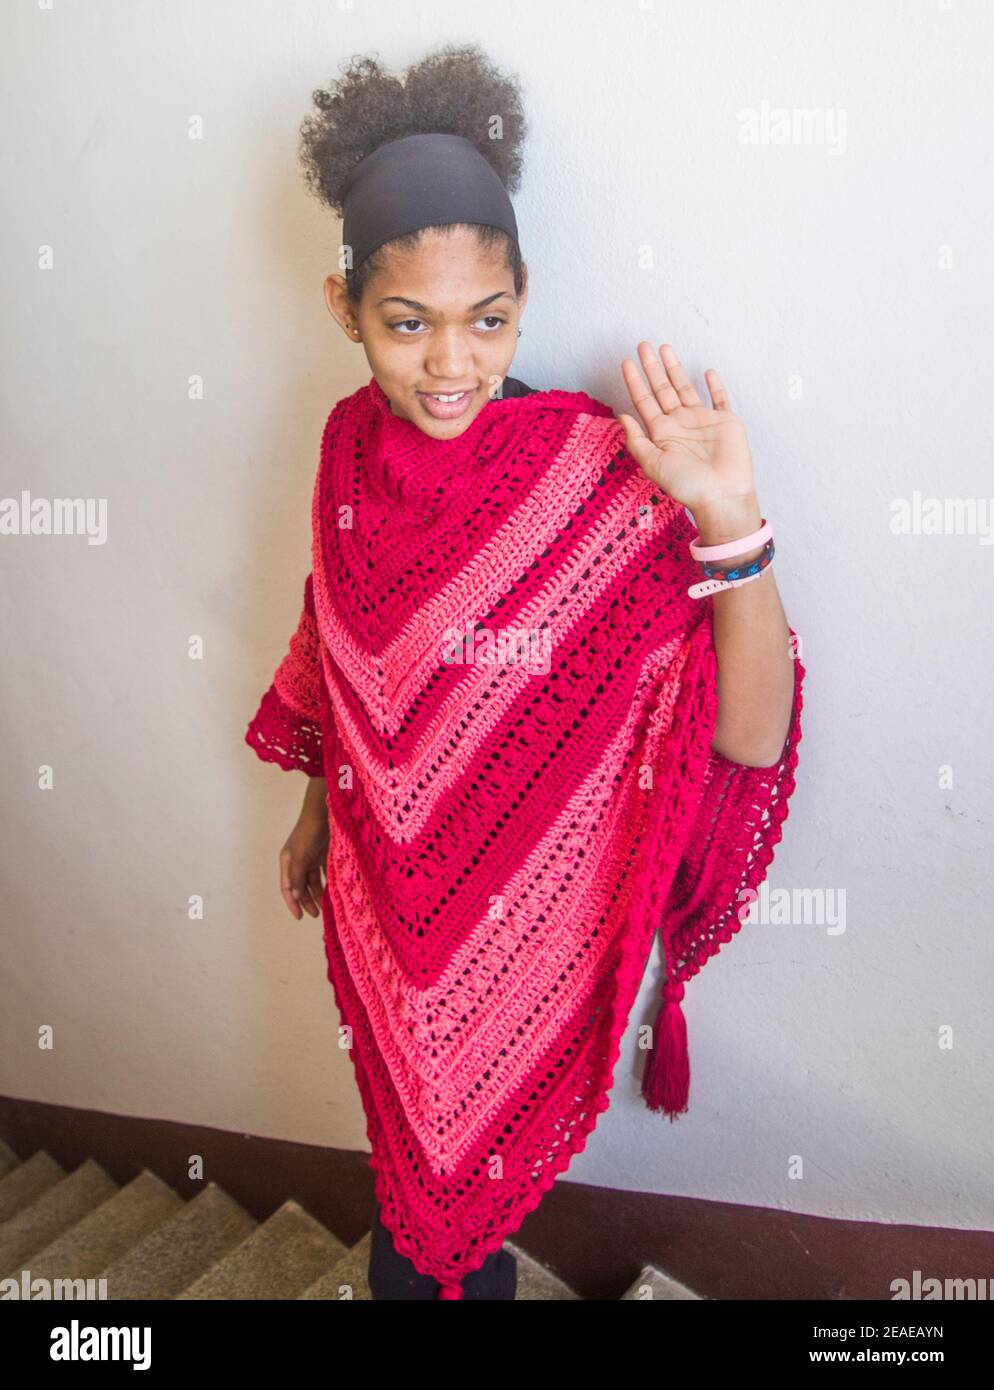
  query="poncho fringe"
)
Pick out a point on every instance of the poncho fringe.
point(583, 801)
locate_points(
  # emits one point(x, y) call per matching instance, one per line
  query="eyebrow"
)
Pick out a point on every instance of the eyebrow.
point(423, 308)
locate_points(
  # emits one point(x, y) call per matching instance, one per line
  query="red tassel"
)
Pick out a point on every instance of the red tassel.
point(666, 1079)
point(450, 1291)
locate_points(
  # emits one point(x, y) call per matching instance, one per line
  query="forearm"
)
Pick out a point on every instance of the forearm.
point(752, 643)
point(315, 798)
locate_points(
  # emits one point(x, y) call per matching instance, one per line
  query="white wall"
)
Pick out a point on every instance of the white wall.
point(843, 289)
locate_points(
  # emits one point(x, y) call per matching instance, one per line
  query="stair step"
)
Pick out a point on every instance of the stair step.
point(8, 1159)
point(22, 1184)
point(280, 1259)
point(183, 1248)
point(150, 1244)
point(348, 1279)
point(653, 1284)
point(56, 1209)
point(536, 1283)
point(106, 1232)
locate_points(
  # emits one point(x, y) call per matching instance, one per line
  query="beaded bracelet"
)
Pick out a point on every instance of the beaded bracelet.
point(715, 586)
point(716, 579)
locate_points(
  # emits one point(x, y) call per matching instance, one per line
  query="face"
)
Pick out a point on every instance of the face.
point(439, 320)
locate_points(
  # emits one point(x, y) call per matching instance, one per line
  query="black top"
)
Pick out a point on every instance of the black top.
point(512, 387)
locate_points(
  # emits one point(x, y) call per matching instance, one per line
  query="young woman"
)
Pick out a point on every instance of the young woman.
point(542, 685)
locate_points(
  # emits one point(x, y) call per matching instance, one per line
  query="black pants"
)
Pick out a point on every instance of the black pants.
point(393, 1276)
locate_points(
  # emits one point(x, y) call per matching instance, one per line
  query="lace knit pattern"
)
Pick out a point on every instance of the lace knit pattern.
point(506, 840)
point(287, 728)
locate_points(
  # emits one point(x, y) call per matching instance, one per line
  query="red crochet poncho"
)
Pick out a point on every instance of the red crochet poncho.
point(513, 814)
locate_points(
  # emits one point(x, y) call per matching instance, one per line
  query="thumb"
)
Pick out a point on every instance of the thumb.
point(635, 437)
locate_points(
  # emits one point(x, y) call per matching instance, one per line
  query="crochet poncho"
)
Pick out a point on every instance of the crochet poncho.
point(511, 818)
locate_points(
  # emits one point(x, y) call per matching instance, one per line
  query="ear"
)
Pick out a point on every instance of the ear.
point(339, 306)
point(523, 296)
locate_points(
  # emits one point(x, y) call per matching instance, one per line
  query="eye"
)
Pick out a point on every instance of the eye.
point(494, 319)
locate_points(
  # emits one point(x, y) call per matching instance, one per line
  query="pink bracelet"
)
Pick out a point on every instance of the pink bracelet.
point(729, 548)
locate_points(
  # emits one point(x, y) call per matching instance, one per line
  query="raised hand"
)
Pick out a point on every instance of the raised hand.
point(697, 453)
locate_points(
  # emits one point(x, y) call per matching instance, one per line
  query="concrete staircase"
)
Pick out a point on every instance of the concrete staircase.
point(148, 1242)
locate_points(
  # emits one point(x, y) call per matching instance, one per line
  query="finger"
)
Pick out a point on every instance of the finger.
point(292, 904)
point(299, 889)
point(718, 394)
point(679, 378)
point(642, 449)
point(643, 398)
point(286, 887)
point(658, 378)
point(315, 889)
point(631, 426)
point(636, 440)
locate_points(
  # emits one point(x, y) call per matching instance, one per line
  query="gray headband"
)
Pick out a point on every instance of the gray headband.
point(421, 181)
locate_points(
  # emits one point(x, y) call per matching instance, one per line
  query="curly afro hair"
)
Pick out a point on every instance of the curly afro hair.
point(453, 90)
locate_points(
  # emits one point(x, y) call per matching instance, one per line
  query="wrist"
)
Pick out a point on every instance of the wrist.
point(720, 522)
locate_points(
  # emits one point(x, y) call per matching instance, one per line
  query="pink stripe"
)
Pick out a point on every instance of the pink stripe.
point(389, 790)
point(443, 1097)
point(387, 680)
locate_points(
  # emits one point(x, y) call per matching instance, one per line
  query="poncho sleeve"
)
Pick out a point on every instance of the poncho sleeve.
point(728, 841)
point(287, 727)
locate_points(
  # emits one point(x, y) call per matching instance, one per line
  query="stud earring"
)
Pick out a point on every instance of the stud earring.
point(519, 332)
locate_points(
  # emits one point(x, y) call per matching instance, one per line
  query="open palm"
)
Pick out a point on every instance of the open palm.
point(696, 453)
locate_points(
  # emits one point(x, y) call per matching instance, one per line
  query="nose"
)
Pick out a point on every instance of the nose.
point(450, 356)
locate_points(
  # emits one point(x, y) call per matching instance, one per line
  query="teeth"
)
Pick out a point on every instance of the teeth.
point(449, 398)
